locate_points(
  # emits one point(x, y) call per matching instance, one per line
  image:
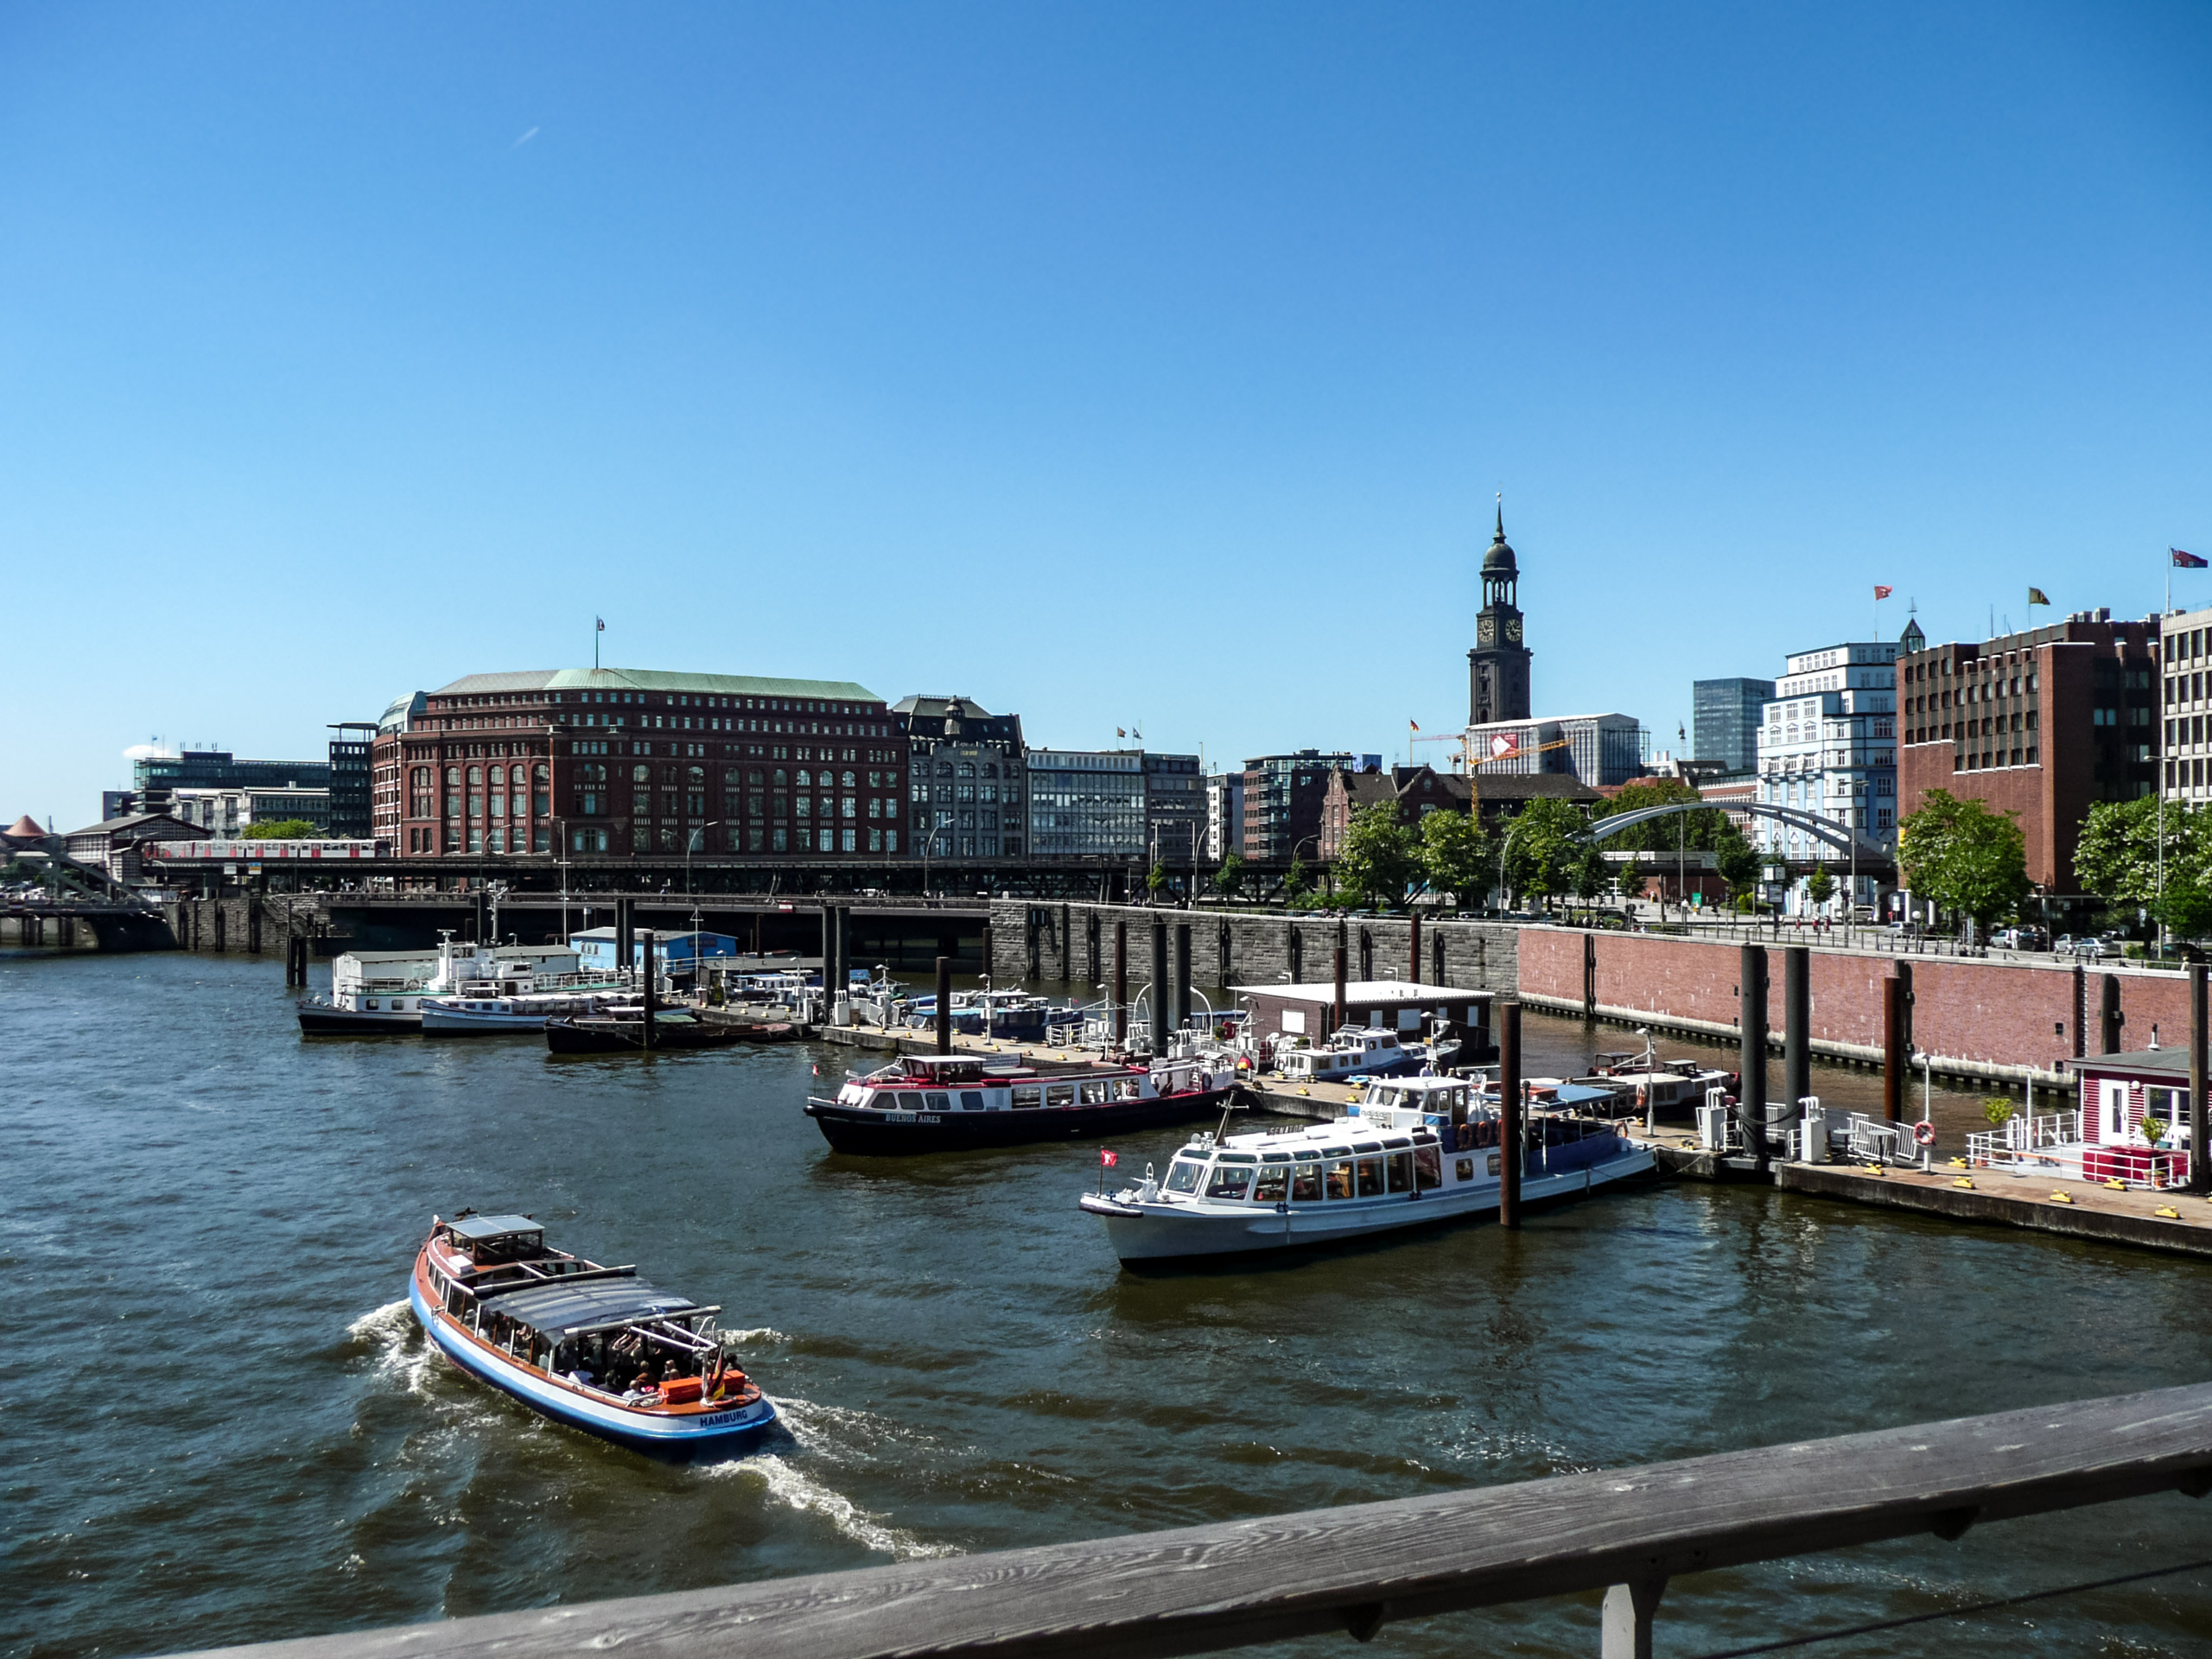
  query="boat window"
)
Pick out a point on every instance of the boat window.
point(1274, 1157)
point(1235, 1157)
point(1396, 1141)
point(1228, 1181)
point(1370, 1178)
point(1274, 1182)
point(1059, 1094)
point(1028, 1094)
point(373, 1003)
point(1428, 1167)
point(1401, 1172)
point(939, 1103)
point(1339, 1178)
point(1464, 1169)
point(1093, 1094)
point(1304, 1155)
point(1127, 1089)
point(1306, 1184)
point(971, 1100)
point(1183, 1176)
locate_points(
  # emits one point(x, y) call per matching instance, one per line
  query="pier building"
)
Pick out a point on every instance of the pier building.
point(2043, 723)
point(609, 764)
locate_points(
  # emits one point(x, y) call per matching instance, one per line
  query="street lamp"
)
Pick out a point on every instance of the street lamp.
point(690, 842)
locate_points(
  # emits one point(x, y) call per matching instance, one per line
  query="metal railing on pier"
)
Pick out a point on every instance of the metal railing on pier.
point(1200, 1589)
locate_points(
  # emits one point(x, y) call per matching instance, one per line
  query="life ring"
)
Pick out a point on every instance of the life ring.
point(1924, 1133)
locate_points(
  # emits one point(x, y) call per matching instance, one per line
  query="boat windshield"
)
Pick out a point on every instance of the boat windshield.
point(1183, 1176)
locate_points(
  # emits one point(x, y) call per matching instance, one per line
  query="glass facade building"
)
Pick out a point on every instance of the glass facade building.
point(1725, 719)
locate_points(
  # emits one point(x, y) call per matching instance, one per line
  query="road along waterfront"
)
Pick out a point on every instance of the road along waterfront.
point(220, 1425)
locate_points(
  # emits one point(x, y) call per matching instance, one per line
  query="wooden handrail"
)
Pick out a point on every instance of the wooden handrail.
point(1196, 1589)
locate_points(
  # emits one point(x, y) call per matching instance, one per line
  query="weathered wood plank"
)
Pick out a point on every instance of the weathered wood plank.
point(1201, 1588)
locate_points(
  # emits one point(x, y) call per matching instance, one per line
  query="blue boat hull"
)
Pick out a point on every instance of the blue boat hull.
point(679, 1440)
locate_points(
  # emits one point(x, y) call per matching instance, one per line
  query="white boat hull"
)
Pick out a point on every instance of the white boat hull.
point(1161, 1231)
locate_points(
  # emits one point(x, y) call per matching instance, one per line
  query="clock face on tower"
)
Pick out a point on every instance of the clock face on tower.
point(1513, 630)
point(1486, 630)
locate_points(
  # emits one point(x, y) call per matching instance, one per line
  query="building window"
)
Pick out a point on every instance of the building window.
point(849, 839)
point(476, 838)
point(828, 836)
point(851, 805)
point(891, 841)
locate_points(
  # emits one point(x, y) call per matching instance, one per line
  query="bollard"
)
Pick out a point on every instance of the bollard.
point(1121, 985)
point(1508, 1115)
point(1751, 1014)
point(1412, 953)
point(645, 979)
point(1159, 1025)
point(1182, 975)
point(1893, 1050)
point(944, 1005)
point(1336, 1016)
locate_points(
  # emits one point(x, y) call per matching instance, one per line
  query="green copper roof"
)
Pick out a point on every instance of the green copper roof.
point(651, 679)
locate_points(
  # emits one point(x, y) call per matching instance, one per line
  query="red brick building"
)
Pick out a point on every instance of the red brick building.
point(630, 763)
point(2044, 723)
point(1416, 792)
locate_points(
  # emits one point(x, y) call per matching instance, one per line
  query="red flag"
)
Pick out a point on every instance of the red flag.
point(1108, 1159)
point(1881, 591)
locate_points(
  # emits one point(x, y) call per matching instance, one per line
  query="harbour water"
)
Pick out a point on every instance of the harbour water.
point(219, 1426)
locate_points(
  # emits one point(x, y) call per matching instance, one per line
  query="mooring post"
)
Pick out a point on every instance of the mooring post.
point(625, 941)
point(646, 978)
point(1413, 952)
point(2081, 1010)
point(1796, 1025)
point(1751, 1011)
point(1893, 1050)
point(2200, 1146)
point(2109, 1017)
point(1160, 1022)
point(1121, 984)
point(944, 1005)
point(1337, 1011)
point(1508, 1115)
point(1589, 978)
point(1626, 1630)
point(1182, 975)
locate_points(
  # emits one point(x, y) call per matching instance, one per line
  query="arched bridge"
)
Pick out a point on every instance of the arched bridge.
point(1835, 835)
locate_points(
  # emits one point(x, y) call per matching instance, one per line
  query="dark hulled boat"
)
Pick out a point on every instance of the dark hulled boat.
point(940, 1102)
point(622, 1031)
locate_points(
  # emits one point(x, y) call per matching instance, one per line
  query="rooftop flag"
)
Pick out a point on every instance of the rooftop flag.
point(2187, 561)
point(2036, 596)
point(1414, 724)
point(1881, 591)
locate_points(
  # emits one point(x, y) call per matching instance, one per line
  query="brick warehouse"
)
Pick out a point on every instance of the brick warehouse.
point(1982, 1017)
point(619, 763)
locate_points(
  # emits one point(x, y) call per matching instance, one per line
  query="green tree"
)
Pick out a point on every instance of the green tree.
point(1229, 880)
point(1736, 859)
point(1820, 886)
point(2117, 858)
point(1590, 873)
point(1299, 881)
point(1543, 848)
point(1155, 879)
point(1629, 877)
point(1963, 857)
point(1701, 830)
point(280, 830)
point(1378, 860)
point(1456, 856)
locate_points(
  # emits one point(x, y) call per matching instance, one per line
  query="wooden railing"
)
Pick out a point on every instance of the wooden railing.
point(1198, 1589)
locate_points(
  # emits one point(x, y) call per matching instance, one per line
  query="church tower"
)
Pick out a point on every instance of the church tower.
point(1497, 668)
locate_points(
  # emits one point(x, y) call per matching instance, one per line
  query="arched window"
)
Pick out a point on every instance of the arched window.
point(805, 779)
point(518, 777)
point(752, 776)
point(967, 770)
point(848, 780)
point(989, 770)
point(944, 768)
point(475, 776)
point(544, 773)
point(641, 775)
point(698, 777)
point(780, 779)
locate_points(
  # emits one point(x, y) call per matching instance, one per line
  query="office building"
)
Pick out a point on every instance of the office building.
point(1225, 794)
point(1725, 719)
point(969, 778)
point(1598, 750)
point(1828, 746)
point(2043, 723)
point(1087, 804)
point(1283, 795)
point(154, 776)
point(349, 813)
point(1174, 810)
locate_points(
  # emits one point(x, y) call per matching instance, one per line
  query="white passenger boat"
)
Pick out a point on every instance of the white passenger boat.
point(1421, 1150)
point(1354, 1051)
point(596, 1348)
point(385, 990)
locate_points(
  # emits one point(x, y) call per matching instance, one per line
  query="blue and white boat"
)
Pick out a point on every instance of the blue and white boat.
point(595, 1348)
point(1421, 1151)
point(1354, 1051)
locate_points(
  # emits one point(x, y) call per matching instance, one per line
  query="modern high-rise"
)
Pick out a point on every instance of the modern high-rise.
point(1174, 810)
point(1087, 804)
point(1725, 719)
point(348, 815)
point(1225, 814)
point(1283, 795)
point(1497, 668)
point(2046, 722)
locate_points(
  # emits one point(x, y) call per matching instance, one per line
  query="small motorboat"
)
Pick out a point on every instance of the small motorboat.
point(622, 1031)
point(1419, 1151)
point(595, 1348)
point(1354, 1051)
point(940, 1102)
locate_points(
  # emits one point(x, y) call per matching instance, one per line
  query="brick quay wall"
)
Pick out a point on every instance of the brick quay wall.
point(1994, 1018)
point(1033, 940)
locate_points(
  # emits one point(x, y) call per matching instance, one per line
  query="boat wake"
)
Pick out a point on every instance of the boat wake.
point(401, 1352)
point(789, 1484)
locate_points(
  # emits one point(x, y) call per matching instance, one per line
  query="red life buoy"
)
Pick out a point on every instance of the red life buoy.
point(1924, 1133)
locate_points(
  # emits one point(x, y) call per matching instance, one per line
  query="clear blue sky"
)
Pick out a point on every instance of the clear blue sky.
point(1105, 364)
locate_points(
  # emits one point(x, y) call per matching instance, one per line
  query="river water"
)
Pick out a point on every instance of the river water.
point(219, 1425)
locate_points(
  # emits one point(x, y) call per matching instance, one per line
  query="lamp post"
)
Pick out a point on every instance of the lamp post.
point(690, 842)
point(1315, 839)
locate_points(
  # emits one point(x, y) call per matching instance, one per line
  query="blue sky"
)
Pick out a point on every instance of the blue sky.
point(1118, 364)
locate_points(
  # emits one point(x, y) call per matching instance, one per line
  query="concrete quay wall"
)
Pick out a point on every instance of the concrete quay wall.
point(254, 923)
point(1032, 940)
point(2002, 1020)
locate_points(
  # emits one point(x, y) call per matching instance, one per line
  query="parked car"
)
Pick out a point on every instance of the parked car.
point(2093, 949)
point(2021, 938)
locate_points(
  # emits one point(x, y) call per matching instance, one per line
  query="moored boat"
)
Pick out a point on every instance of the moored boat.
point(524, 1014)
point(383, 990)
point(1421, 1151)
point(938, 1102)
point(1354, 1051)
point(595, 1348)
point(622, 1031)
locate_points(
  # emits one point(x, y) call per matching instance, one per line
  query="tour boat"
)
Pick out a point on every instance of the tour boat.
point(622, 1031)
point(1005, 1016)
point(477, 1015)
point(382, 990)
point(1354, 1051)
point(937, 1102)
point(1420, 1151)
point(595, 1348)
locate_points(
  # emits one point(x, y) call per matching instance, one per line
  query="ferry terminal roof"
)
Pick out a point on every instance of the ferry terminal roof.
point(652, 679)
